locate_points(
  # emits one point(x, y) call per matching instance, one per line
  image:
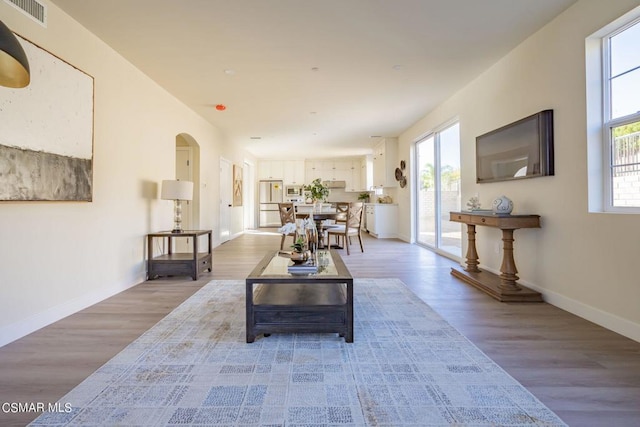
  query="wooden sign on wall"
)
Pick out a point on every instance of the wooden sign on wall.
point(237, 185)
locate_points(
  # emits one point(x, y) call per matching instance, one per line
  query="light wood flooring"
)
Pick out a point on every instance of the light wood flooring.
point(586, 374)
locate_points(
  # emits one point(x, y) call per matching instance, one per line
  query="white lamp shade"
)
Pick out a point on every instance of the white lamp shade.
point(176, 190)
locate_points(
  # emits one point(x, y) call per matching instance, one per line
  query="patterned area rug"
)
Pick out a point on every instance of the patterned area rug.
point(407, 367)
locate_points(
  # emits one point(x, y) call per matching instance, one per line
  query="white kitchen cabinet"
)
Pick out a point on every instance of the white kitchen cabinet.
point(347, 170)
point(293, 172)
point(385, 162)
point(271, 169)
point(382, 220)
point(354, 183)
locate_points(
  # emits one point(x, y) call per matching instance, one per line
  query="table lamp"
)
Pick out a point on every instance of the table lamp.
point(177, 191)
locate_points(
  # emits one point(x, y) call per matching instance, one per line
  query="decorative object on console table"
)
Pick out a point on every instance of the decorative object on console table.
point(177, 191)
point(502, 205)
point(474, 203)
point(503, 287)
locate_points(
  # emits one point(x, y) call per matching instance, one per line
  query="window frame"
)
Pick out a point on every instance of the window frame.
point(609, 123)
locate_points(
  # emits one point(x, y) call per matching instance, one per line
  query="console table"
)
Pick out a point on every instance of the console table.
point(503, 287)
point(178, 264)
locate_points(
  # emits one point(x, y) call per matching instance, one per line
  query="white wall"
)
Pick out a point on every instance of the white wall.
point(56, 258)
point(581, 261)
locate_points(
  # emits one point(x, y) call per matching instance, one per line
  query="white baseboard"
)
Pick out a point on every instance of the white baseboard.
point(599, 317)
point(37, 321)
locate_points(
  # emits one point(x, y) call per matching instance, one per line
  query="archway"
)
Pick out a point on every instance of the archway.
point(188, 168)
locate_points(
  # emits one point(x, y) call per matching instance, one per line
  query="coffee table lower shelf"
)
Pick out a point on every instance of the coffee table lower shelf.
point(293, 308)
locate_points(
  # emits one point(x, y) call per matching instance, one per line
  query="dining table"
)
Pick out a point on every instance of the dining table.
point(319, 218)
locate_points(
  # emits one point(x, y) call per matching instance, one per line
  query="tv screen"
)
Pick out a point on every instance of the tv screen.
point(523, 149)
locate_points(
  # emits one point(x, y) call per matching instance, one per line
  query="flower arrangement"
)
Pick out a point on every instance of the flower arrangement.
point(317, 190)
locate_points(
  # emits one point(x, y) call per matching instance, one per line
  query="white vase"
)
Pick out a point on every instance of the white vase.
point(502, 205)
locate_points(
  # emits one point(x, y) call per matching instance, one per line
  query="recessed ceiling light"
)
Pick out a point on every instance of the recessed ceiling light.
point(315, 69)
point(313, 112)
point(375, 136)
point(397, 67)
point(255, 137)
point(229, 72)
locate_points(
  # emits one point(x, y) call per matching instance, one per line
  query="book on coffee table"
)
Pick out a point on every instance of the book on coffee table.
point(307, 267)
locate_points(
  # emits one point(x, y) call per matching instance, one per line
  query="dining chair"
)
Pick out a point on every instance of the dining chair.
point(287, 215)
point(341, 218)
point(351, 227)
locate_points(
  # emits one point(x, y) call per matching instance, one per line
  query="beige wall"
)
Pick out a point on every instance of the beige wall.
point(56, 258)
point(583, 262)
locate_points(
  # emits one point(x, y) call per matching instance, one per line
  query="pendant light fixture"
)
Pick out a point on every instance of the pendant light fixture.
point(14, 67)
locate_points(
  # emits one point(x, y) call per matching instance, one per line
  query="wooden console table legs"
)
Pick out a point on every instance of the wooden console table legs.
point(472, 253)
point(502, 287)
point(508, 276)
point(508, 270)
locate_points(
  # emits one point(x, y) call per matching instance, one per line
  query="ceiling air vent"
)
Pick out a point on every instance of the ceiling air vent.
point(33, 9)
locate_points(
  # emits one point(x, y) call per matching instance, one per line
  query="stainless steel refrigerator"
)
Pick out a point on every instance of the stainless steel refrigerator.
point(271, 193)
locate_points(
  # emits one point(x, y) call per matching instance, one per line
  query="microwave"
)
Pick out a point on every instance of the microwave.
point(293, 190)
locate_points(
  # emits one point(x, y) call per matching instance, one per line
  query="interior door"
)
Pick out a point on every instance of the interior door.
point(226, 199)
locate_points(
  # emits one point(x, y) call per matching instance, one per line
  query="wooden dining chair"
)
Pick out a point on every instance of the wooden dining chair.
point(351, 227)
point(287, 215)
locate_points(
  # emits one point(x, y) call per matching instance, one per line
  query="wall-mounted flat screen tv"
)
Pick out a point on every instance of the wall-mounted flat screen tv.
point(523, 149)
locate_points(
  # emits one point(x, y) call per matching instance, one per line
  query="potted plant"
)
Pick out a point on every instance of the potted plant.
point(299, 245)
point(364, 197)
point(299, 253)
point(318, 191)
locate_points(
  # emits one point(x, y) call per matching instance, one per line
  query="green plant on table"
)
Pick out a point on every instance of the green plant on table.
point(364, 197)
point(317, 190)
point(298, 245)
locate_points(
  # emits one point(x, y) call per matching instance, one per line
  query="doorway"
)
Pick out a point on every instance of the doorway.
point(437, 184)
point(187, 153)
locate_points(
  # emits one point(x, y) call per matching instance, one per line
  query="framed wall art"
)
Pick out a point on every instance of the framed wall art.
point(46, 143)
point(237, 185)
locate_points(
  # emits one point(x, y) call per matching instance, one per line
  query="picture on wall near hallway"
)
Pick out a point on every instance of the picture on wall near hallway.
point(46, 142)
point(237, 185)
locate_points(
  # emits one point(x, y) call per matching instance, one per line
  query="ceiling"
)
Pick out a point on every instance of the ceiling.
point(312, 78)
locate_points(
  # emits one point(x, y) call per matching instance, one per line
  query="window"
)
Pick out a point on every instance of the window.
point(621, 94)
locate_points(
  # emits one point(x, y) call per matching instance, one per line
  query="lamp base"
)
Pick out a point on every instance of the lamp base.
point(176, 230)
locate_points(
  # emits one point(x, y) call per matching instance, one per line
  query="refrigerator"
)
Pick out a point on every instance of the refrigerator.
point(270, 193)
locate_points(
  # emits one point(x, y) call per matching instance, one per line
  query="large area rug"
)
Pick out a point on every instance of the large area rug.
point(407, 367)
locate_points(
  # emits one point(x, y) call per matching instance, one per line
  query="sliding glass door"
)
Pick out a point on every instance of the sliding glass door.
point(438, 190)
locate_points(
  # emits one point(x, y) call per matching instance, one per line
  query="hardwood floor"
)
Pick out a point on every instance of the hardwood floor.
point(586, 374)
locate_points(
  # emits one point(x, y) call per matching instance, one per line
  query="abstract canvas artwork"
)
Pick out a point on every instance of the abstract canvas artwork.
point(46, 142)
point(237, 185)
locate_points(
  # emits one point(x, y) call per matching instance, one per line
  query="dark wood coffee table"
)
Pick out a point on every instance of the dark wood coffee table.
point(279, 302)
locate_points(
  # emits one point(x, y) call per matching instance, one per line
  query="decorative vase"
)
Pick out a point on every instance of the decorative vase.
point(502, 205)
point(299, 256)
